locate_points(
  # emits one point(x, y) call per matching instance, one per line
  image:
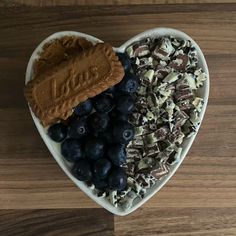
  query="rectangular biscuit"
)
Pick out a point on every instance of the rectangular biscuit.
point(53, 95)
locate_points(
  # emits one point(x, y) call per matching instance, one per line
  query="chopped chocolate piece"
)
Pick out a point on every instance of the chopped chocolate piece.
point(188, 128)
point(153, 126)
point(184, 104)
point(170, 149)
point(138, 119)
point(142, 166)
point(113, 197)
point(134, 154)
point(172, 77)
point(157, 135)
point(144, 62)
point(200, 77)
point(184, 93)
point(130, 51)
point(101, 194)
point(175, 42)
point(194, 117)
point(170, 109)
point(193, 53)
point(129, 168)
point(148, 76)
point(179, 64)
point(183, 84)
point(141, 51)
point(176, 136)
point(191, 80)
point(174, 157)
point(159, 170)
point(127, 202)
point(164, 49)
point(198, 103)
point(180, 118)
point(152, 100)
point(171, 158)
point(150, 116)
point(141, 179)
point(150, 139)
point(137, 142)
point(162, 64)
point(162, 157)
point(90, 185)
point(161, 133)
point(141, 103)
point(143, 111)
point(152, 150)
point(171, 87)
point(138, 130)
point(142, 90)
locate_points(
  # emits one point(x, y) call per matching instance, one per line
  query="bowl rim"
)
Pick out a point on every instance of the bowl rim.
point(160, 31)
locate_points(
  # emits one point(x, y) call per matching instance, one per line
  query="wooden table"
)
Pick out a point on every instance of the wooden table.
point(36, 197)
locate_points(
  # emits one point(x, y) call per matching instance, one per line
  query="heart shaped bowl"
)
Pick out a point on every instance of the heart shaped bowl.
point(54, 148)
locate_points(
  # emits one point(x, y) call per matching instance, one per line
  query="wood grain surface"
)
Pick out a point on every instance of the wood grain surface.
point(42, 3)
point(36, 198)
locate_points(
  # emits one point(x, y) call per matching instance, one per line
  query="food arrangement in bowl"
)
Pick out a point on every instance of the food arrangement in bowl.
point(117, 120)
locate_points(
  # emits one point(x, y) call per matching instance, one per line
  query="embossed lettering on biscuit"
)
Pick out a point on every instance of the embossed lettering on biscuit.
point(53, 95)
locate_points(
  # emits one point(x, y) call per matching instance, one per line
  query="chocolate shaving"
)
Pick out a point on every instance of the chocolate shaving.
point(159, 170)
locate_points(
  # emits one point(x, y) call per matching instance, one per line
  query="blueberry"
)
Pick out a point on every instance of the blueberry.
point(102, 168)
point(125, 103)
point(57, 132)
point(125, 61)
point(82, 170)
point(71, 150)
point(78, 128)
point(84, 108)
point(115, 116)
point(94, 148)
point(117, 154)
point(117, 179)
point(111, 90)
point(107, 136)
point(129, 83)
point(123, 132)
point(98, 122)
point(103, 103)
point(100, 184)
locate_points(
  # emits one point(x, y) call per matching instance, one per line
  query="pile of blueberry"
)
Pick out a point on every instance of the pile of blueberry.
point(96, 135)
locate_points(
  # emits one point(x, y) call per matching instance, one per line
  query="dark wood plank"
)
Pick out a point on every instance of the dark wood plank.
point(42, 3)
point(178, 222)
point(63, 222)
point(124, 22)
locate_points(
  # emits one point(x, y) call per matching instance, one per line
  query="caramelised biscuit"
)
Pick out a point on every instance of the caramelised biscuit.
point(58, 50)
point(53, 95)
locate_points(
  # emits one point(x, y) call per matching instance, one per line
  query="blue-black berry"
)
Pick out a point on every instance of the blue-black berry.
point(71, 150)
point(57, 132)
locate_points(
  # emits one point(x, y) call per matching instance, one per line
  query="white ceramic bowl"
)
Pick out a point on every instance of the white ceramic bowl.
point(54, 148)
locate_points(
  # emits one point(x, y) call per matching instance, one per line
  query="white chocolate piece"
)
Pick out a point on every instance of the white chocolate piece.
point(130, 51)
point(191, 80)
point(172, 77)
point(200, 77)
point(113, 198)
point(198, 103)
point(127, 202)
point(149, 75)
